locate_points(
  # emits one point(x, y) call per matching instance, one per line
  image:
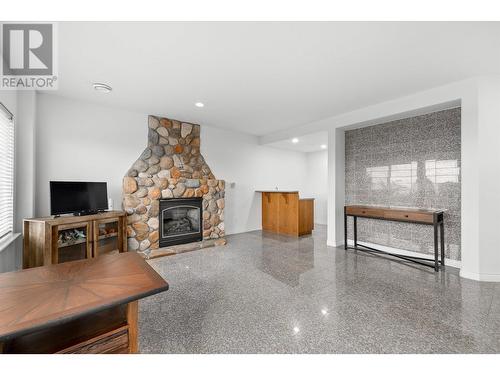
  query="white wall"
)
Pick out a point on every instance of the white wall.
point(238, 158)
point(316, 184)
point(83, 141)
point(336, 187)
point(488, 184)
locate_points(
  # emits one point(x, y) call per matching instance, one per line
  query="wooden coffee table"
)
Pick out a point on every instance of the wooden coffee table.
point(86, 306)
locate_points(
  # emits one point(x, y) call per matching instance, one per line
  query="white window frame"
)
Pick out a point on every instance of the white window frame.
point(7, 115)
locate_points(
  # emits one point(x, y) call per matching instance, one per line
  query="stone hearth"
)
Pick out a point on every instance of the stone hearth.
point(170, 167)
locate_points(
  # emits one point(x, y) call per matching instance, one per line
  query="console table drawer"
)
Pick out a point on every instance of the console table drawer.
point(418, 217)
point(365, 211)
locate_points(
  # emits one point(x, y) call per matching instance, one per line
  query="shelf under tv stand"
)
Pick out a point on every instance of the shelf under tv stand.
point(43, 244)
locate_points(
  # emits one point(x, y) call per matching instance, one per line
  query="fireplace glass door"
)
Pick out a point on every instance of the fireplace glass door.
point(180, 221)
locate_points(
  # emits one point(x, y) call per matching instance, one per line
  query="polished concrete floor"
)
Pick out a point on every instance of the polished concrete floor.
point(264, 293)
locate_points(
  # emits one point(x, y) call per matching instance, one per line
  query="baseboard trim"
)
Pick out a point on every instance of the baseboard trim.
point(334, 244)
point(480, 276)
point(448, 262)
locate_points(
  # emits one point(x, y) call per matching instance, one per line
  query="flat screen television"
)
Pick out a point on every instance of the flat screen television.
point(78, 198)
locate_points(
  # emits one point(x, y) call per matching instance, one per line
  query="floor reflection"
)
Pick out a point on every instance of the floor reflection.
point(291, 259)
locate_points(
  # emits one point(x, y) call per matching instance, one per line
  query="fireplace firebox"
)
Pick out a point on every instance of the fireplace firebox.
point(180, 221)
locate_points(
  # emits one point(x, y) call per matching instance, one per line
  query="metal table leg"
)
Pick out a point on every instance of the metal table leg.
point(441, 226)
point(436, 250)
point(345, 230)
point(355, 231)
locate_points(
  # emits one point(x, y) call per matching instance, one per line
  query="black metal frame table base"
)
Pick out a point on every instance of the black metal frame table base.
point(438, 224)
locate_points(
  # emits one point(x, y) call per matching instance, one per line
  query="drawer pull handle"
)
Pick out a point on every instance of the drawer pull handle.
point(406, 215)
point(363, 212)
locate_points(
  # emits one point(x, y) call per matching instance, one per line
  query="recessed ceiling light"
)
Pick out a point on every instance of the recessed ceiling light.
point(199, 104)
point(295, 140)
point(296, 329)
point(323, 146)
point(324, 311)
point(102, 87)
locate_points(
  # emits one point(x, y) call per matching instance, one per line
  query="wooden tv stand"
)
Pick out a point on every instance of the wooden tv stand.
point(85, 306)
point(102, 233)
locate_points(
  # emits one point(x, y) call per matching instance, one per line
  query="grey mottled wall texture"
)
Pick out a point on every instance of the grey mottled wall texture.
point(414, 162)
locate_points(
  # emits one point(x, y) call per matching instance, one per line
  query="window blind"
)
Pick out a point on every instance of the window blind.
point(6, 171)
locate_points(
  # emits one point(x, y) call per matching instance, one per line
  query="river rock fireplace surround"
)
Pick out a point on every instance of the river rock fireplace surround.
point(173, 201)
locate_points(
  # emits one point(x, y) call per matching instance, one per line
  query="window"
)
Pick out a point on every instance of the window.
point(6, 171)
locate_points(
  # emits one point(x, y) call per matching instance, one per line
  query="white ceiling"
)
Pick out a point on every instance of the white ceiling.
point(259, 78)
point(306, 143)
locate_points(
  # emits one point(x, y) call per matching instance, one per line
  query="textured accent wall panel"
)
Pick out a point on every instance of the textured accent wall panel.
point(414, 162)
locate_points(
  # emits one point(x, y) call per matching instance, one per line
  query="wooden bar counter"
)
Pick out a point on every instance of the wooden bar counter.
point(84, 306)
point(285, 213)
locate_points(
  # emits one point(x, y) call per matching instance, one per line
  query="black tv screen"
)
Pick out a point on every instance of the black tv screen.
point(67, 197)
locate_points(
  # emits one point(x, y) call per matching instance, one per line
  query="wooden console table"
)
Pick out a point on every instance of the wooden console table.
point(102, 233)
point(283, 212)
point(409, 215)
point(85, 306)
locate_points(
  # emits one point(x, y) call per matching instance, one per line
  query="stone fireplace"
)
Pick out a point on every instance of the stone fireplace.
point(170, 193)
